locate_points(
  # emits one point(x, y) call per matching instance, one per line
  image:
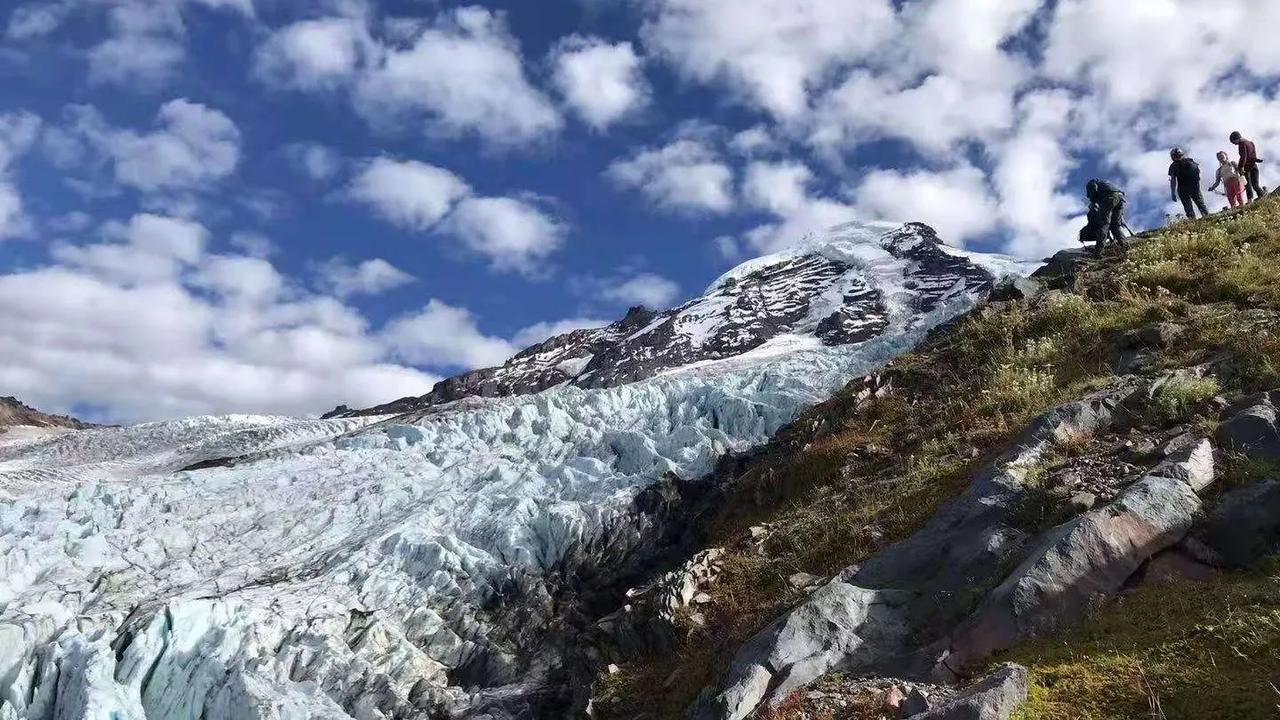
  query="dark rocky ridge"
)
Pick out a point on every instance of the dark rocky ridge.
point(14, 412)
point(732, 318)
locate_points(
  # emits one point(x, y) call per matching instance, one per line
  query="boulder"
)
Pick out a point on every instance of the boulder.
point(1251, 428)
point(1083, 560)
point(1060, 269)
point(838, 625)
point(995, 697)
point(1245, 526)
point(1015, 288)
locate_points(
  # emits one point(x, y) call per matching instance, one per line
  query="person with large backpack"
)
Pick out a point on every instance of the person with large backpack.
point(1184, 183)
point(1106, 215)
point(1249, 166)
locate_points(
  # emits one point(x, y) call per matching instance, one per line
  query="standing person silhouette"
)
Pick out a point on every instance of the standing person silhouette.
point(1249, 166)
point(1230, 177)
point(1184, 183)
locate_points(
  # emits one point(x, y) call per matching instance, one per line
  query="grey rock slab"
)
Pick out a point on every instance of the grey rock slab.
point(839, 627)
point(1245, 526)
point(995, 697)
point(1084, 560)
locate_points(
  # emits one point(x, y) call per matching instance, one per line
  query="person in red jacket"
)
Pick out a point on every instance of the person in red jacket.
point(1249, 166)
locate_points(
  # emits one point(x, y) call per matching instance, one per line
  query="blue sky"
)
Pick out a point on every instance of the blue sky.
point(272, 206)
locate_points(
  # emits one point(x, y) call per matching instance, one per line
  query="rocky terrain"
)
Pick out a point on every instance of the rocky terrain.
point(447, 556)
point(1080, 477)
point(13, 413)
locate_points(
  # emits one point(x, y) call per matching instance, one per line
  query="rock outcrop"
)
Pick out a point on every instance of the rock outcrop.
point(13, 413)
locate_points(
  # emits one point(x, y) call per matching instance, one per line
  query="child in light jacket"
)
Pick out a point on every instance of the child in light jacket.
point(1232, 180)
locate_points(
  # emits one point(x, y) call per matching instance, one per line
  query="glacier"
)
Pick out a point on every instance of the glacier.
point(382, 566)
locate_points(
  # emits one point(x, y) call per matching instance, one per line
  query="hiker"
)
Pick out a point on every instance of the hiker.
point(1184, 183)
point(1231, 180)
point(1249, 165)
point(1106, 215)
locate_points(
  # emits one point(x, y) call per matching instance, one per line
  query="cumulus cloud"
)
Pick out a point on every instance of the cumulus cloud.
point(512, 234)
point(314, 54)
point(955, 202)
point(18, 132)
point(369, 277)
point(192, 148)
point(463, 74)
point(460, 74)
point(648, 289)
point(145, 323)
point(536, 333)
point(603, 82)
point(36, 19)
point(315, 161)
point(686, 175)
point(145, 44)
point(411, 194)
point(444, 335)
point(769, 51)
point(780, 188)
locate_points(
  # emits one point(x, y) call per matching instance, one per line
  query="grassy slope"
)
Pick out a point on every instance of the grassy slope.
point(849, 478)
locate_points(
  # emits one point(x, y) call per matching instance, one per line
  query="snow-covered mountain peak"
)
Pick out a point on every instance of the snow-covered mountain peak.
point(840, 287)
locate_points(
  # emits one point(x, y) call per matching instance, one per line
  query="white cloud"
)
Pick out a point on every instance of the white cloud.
point(771, 51)
point(955, 202)
point(147, 43)
point(815, 215)
point(36, 19)
point(252, 243)
point(152, 249)
point(1030, 173)
point(240, 279)
point(193, 147)
point(603, 82)
point(752, 142)
point(370, 277)
point(648, 289)
point(411, 194)
point(933, 115)
point(443, 335)
point(685, 176)
point(462, 75)
point(18, 132)
point(313, 54)
point(145, 324)
point(780, 188)
point(536, 333)
point(512, 234)
point(139, 60)
point(316, 161)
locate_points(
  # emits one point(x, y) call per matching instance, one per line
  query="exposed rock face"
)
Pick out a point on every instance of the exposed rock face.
point(995, 697)
point(1245, 526)
point(823, 296)
point(1086, 559)
point(13, 412)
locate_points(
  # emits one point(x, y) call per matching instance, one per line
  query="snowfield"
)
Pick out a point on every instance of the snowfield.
point(352, 568)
